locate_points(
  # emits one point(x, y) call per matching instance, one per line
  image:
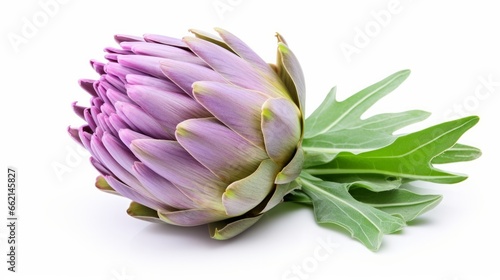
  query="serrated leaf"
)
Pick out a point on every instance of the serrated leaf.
point(372, 182)
point(408, 157)
point(400, 202)
point(337, 126)
point(365, 135)
point(334, 204)
point(334, 115)
point(458, 153)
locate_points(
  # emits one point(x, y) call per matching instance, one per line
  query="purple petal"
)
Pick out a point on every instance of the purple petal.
point(132, 194)
point(236, 107)
point(117, 50)
point(127, 38)
point(245, 194)
point(170, 160)
point(163, 51)
point(98, 165)
point(162, 189)
point(73, 132)
point(185, 74)
point(98, 132)
point(236, 70)
point(157, 188)
point(121, 154)
point(165, 40)
point(218, 148)
point(119, 71)
point(102, 121)
point(102, 87)
point(89, 114)
point(169, 108)
point(122, 121)
point(108, 109)
point(98, 66)
point(146, 64)
point(128, 135)
point(117, 96)
point(281, 128)
point(85, 137)
point(96, 101)
point(143, 80)
point(111, 57)
point(117, 122)
point(245, 52)
point(111, 164)
point(78, 109)
point(88, 86)
point(115, 82)
point(209, 37)
point(142, 121)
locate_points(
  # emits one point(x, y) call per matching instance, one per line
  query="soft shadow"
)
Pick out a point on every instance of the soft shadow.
point(159, 237)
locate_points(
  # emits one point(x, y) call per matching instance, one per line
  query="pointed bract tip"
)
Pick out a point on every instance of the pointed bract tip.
point(280, 38)
point(101, 184)
point(220, 30)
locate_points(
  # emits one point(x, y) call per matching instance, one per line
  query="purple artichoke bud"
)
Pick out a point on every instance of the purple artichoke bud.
point(195, 131)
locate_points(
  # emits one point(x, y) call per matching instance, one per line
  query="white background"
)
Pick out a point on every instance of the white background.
point(69, 230)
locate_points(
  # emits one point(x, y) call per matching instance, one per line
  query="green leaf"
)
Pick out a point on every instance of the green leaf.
point(337, 126)
point(334, 115)
point(457, 153)
point(366, 135)
point(334, 204)
point(372, 182)
point(401, 202)
point(408, 157)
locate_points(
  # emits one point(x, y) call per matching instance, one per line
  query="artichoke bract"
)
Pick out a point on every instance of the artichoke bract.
point(198, 130)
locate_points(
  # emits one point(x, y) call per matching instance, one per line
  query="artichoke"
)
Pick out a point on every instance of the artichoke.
point(199, 130)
